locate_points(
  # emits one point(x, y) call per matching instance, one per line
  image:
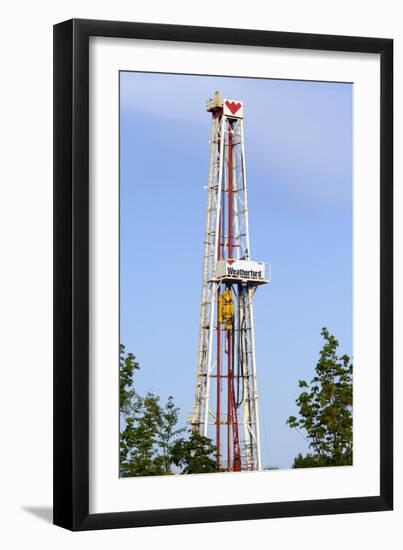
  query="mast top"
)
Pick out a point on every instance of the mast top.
point(214, 102)
point(231, 108)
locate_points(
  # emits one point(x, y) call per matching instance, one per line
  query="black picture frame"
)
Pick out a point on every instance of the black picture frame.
point(71, 274)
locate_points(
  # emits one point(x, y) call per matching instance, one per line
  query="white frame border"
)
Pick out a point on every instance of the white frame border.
point(108, 493)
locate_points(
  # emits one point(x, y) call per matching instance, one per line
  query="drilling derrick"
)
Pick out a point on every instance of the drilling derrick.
point(226, 396)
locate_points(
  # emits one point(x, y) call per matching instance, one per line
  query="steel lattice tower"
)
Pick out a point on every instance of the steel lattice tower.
point(226, 396)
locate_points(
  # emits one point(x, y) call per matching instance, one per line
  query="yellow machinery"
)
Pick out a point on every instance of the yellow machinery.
point(226, 309)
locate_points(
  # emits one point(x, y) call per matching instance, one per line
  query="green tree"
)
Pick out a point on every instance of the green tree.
point(139, 446)
point(130, 405)
point(148, 431)
point(167, 432)
point(149, 436)
point(195, 455)
point(127, 394)
point(325, 410)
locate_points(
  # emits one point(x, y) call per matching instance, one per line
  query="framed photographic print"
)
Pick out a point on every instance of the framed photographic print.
point(223, 323)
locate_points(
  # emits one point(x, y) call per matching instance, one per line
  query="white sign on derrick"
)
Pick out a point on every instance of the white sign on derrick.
point(233, 108)
point(241, 271)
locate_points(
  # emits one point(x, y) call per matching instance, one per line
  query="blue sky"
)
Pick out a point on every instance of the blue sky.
point(298, 142)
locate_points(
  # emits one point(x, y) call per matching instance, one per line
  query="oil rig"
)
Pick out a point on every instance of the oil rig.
point(226, 395)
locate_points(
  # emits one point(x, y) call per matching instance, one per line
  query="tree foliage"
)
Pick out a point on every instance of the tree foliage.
point(149, 434)
point(325, 410)
point(127, 366)
point(195, 455)
point(147, 438)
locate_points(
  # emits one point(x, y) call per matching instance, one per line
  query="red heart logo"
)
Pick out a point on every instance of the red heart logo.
point(230, 262)
point(232, 106)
